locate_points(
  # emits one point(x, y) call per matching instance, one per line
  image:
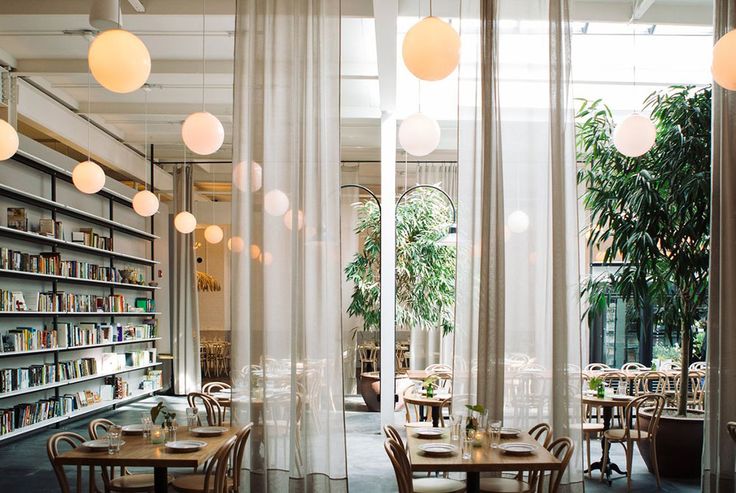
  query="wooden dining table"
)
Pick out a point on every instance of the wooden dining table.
point(139, 452)
point(435, 403)
point(608, 404)
point(482, 459)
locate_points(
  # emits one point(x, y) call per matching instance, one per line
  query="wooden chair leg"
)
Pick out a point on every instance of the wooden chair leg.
point(604, 444)
point(629, 460)
point(587, 442)
point(653, 447)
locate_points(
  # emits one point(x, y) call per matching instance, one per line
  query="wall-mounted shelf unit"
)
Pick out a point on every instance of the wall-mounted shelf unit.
point(53, 206)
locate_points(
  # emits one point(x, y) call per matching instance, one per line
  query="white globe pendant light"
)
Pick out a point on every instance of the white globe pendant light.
point(419, 134)
point(635, 135)
point(213, 234)
point(185, 222)
point(518, 221)
point(88, 177)
point(236, 244)
point(256, 176)
point(724, 61)
point(145, 203)
point(431, 49)
point(276, 203)
point(119, 61)
point(299, 220)
point(8, 140)
point(255, 251)
point(202, 133)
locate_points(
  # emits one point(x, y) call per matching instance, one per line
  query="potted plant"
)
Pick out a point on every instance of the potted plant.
point(651, 214)
point(425, 269)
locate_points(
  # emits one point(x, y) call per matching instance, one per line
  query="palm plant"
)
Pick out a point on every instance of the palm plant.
point(652, 212)
point(425, 269)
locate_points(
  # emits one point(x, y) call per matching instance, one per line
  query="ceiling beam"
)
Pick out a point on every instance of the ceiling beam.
point(77, 7)
point(60, 66)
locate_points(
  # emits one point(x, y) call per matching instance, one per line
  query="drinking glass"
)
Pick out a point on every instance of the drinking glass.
point(147, 424)
point(192, 419)
point(467, 447)
point(483, 420)
point(173, 427)
point(113, 439)
point(456, 421)
point(495, 433)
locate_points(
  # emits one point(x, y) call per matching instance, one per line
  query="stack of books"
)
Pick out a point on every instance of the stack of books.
point(28, 339)
point(71, 302)
point(77, 368)
point(12, 379)
point(87, 236)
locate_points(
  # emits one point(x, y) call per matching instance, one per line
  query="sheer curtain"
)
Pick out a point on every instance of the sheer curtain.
point(184, 300)
point(719, 457)
point(348, 248)
point(525, 321)
point(286, 321)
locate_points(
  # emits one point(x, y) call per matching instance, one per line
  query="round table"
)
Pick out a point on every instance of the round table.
point(435, 403)
point(608, 404)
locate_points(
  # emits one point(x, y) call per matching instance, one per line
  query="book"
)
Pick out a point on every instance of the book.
point(17, 218)
point(77, 237)
point(47, 227)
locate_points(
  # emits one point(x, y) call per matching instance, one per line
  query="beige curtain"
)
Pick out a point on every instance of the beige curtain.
point(518, 302)
point(719, 453)
point(184, 302)
point(287, 341)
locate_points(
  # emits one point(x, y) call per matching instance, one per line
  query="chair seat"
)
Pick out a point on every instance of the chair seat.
point(194, 483)
point(437, 485)
point(134, 483)
point(618, 435)
point(592, 427)
point(503, 485)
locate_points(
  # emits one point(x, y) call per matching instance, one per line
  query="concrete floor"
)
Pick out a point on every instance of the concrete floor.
point(24, 466)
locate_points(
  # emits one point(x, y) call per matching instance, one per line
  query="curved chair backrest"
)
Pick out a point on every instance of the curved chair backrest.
point(73, 440)
point(392, 432)
point(731, 427)
point(212, 387)
point(213, 408)
point(698, 365)
point(541, 432)
point(215, 474)
point(629, 367)
point(615, 380)
point(438, 368)
point(239, 453)
point(97, 426)
point(400, 461)
point(562, 449)
point(670, 365)
point(650, 382)
point(652, 403)
point(596, 366)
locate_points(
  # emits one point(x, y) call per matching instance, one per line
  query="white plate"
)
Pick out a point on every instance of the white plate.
point(517, 448)
point(438, 449)
point(616, 397)
point(208, 431)
point(99, 444)
point(429, 432)
point(133, 429)
point(185, 445)
point(510, 432)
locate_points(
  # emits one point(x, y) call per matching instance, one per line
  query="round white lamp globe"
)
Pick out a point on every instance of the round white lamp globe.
point(202, 133)
point(518, 221)
point(185, 222)
point(256, 176)
point(255, 251)
point(419, 134)
point(267, 258)
point(276, 203)
point(119, 61)
point(213, 233)
point(8, 140)
point(635, 135)
point(145, 203)
point(299, 220)
point(235, 244)
point(431, 49)
point(724, 68)
point(88, 177)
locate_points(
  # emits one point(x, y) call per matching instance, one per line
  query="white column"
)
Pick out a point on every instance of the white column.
point(388, 264)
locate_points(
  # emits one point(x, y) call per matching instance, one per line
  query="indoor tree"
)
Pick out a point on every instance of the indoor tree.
point(652, 212)
point(425, 269)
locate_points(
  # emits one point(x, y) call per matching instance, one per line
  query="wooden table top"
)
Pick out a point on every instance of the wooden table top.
point(483, 459)
point(417, 374)
point(138, 451)
point(605, 401)
point(440, 399)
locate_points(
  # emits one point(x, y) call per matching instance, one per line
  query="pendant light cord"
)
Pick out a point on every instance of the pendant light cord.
point(145, 137)
point(204, 63)
point(89, 115)
point(633, 48)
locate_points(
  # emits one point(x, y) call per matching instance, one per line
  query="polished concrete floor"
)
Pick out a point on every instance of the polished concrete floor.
point(24, 466)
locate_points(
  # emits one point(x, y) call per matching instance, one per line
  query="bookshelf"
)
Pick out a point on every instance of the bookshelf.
point(46, 203)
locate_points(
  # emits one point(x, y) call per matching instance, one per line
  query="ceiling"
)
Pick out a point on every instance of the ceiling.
point(46, 41)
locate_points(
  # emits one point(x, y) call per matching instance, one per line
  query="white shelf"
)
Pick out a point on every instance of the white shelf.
point(76, 280)
point(66, 314)
point(79, 412)
point(64, 383)
point(75, 348)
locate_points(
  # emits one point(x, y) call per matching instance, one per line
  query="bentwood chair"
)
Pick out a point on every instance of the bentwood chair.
point(406, 483)
point(633, 367)
point(651, 382)
point(596, 367)
point(212, 387)
point(731, 427)
point(635, 431)
point(215, 411)
point(214, 479)
point(695, 389)
point(199, 483)
point(561, 449)
point(72, 440)
point(542, 433)
point(125, 482)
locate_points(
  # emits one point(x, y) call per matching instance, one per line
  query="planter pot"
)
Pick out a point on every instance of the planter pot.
point(370, 389)
point(679, 444)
